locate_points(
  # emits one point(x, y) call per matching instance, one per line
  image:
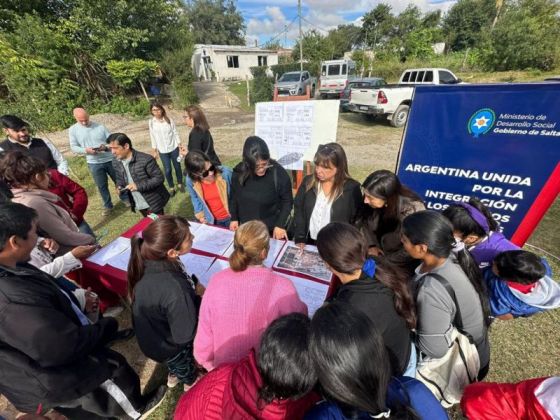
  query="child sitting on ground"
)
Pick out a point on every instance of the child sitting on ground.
point(520, 284)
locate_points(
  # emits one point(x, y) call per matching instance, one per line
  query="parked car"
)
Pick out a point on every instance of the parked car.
point(367, 82)
point(295, 83)
point(393, 101)
point(335, 76)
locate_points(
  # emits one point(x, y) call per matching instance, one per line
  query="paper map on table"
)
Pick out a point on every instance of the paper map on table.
point(312, 293)
point(212, 239)
point(110, 250)
point(216, 267)
point(307, 262)
point(197, 265)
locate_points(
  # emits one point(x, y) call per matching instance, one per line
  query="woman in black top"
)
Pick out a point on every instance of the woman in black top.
point(374, 286)
point(261, 189)
point(329, 195)
point(164, 299)
point(200, 137)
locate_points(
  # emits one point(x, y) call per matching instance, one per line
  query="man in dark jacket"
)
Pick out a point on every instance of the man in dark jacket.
point(51, 356)
point(139, 174)
point(18, 138)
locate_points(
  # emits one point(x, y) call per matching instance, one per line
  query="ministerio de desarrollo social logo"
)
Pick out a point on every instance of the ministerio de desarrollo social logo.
point(481, 122)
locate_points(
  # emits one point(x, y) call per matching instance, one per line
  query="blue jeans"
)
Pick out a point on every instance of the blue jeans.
point(100, 172)
point(169, 159)
point(223, 222)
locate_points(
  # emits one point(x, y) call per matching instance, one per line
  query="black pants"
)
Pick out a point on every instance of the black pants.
point(145, 212)
point(118, 397)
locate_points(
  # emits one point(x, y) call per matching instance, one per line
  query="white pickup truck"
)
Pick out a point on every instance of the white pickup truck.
point(393, 101)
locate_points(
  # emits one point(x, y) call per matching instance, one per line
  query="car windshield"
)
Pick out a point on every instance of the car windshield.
point(289, 77)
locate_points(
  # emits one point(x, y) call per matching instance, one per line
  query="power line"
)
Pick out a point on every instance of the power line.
point(278, 35)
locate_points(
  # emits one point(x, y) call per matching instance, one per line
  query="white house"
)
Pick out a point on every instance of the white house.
point(229, 62)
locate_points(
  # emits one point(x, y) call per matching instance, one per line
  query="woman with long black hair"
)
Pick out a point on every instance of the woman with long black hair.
point(428, 236)
point(355, 375)
point(373, 286)
point(260, 190)
point(386, 203)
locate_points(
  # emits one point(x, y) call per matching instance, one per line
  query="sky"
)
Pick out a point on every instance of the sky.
point(268, 20)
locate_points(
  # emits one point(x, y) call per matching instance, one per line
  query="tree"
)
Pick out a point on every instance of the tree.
point(342, 39)
point(527, 35)
point(467, 22)
point(216, 22)
point(377, 27)
point(316, 47)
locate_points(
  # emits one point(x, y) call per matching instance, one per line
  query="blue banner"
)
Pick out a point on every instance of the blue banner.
point(500, 143)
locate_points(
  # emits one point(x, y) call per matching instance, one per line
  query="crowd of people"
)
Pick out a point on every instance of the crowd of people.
point(411, 282)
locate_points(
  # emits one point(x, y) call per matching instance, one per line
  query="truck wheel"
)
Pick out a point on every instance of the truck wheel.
point(400, 116)
point(324, 96)
point(300, 91)
point(313, 91)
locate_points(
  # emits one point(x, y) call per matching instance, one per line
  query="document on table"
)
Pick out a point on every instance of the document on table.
point(307, 262)
point(120, 261)
point(112, 249)
point(212, 239)
point(216, 267)
point(275, 246)
point(312, 293)
point(197, 265)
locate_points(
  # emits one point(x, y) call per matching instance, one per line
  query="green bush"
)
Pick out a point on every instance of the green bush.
point(262, 86)
point(183, 93)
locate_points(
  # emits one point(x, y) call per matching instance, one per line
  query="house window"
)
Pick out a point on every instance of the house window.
point(262, 60)
point(233, 61)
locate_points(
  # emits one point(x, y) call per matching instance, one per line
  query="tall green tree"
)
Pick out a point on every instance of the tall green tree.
point(342, 39)
point(315, 46)
point(527, 35)
point(467, 22)
point(377, 26)
point(216, 22)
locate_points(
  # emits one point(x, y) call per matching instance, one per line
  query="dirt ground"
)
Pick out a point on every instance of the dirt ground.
point(230, 126)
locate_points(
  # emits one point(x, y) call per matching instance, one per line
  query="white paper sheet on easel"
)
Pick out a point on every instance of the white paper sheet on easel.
point(110, 250)
point(312, 293)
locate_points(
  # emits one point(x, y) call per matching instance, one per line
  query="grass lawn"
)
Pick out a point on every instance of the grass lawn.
point(523, 348)
point(239, 89)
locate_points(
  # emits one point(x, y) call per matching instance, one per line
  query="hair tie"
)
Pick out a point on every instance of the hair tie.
point(369, 267)
point(458, 246)
point(383, 414)
point(476, 214)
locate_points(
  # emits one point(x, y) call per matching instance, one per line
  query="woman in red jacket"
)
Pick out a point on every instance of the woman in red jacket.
point(73, 198)
point(275, 384)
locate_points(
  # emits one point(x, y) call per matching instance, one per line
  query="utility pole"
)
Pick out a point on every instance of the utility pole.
point(300, 38)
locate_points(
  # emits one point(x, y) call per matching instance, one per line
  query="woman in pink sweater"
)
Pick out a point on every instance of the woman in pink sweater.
point(241, 301)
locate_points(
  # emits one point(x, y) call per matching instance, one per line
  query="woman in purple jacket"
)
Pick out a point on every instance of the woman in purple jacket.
point(474, 225)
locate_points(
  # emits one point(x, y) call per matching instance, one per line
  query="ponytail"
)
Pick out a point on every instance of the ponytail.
point(249, 242)
point(135, 264)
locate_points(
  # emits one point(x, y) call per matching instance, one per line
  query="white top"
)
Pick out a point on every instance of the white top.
point(164, 136)
point(321, 215)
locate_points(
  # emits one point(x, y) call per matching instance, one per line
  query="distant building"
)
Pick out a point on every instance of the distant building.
point(229, 62)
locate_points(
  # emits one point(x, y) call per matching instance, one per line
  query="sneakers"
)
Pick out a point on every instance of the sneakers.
point(154, 399)
point(181, 188)
point(172, 192)
point(172, 381)
point(106, 211)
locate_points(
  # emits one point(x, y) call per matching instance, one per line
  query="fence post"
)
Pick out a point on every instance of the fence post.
point(248, 90)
